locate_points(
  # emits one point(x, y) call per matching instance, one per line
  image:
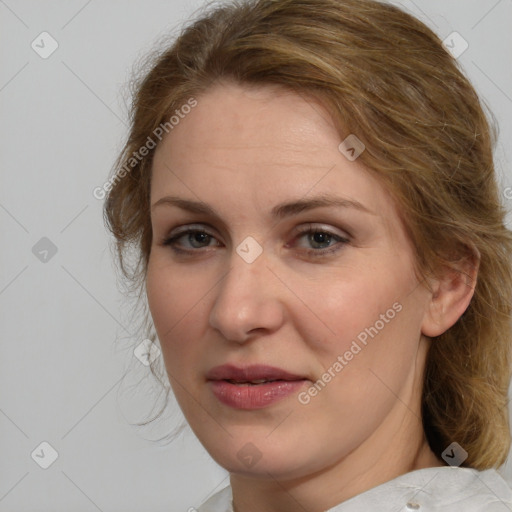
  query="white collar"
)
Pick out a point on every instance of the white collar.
point(437, 489)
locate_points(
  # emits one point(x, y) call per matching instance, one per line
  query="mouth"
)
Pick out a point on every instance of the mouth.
point(252, 387)
point(250, 383)
point(252, 375)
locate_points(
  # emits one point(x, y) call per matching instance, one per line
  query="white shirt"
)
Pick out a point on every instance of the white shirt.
point(445, 488)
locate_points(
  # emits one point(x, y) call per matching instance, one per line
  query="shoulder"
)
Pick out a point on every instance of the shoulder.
point(465, 489)
point(219, 502)
point(436, 489)
point(439, 489)
point(472, 490)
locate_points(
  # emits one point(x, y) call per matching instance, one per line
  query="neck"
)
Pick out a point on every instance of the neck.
point(396, 447)
point(356, 473)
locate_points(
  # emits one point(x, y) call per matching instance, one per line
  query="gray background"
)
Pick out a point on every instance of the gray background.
point(68, 375)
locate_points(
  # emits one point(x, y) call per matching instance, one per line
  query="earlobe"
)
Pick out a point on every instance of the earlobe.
point(451, 294)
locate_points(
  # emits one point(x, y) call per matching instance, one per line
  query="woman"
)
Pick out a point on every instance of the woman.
point(310, 188)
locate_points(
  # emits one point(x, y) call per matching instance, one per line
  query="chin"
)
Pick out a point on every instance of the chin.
point(257, 457)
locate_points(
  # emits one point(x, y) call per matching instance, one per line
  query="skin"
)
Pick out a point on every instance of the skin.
point(242, 151)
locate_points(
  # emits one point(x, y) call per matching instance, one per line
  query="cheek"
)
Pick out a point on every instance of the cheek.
point(368, 361)
point(175, 303)
point(371, 319)
point(177, 307)
point(163, 301)
point(339, 310)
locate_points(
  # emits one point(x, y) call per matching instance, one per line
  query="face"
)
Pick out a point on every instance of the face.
point(281, 286)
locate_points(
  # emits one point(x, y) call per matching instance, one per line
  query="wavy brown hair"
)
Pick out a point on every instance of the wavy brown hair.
point(386, 77)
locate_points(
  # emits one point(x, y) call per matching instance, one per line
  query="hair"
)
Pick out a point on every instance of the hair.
point(385, 77)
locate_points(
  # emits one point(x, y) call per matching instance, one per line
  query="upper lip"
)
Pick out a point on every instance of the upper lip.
point(250, 373)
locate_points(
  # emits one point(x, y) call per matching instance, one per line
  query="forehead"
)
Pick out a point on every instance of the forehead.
point(265, 122)
point(248, 148)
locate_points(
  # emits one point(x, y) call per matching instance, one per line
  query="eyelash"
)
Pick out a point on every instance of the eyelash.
point(309, 230)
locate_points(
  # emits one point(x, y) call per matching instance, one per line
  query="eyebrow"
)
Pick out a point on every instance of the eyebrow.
point(279, 211)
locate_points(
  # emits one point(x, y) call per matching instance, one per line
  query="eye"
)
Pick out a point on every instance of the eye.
point(320, 240)
point(197, 238)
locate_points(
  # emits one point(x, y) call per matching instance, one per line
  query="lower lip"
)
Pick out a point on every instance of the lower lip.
point(255, 396)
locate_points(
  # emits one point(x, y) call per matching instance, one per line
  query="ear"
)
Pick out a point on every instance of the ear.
point(451, 294)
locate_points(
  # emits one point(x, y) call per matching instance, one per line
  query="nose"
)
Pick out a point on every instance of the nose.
point(248, 301)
